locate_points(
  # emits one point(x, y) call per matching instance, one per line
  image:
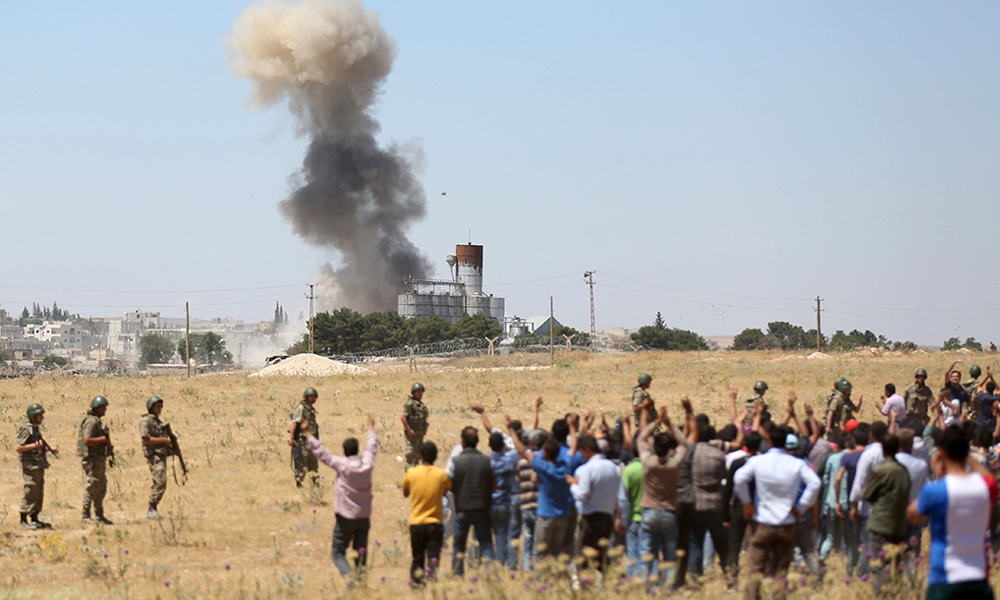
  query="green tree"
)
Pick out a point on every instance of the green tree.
point(748, 339)
point(658, 321)
point(428, 329)
point(579, 338)
point(477, 326)
point(337, 332)
point(154, 350)
point(904, 346)
point(381, 330)
point(52, 361)
point(668, 338)
point(4, 357)
point(206, 348)
point(972, 344)
point(951, 344)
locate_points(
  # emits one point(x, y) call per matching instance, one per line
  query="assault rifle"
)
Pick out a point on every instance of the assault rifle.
point(180, 457)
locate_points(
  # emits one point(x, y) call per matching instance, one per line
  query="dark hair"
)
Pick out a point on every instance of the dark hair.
point(970, 429)
point(860, 437)
point(496, 441)
point(551, 449)
point(702, 419)
point(706, 432)
point(589, 443)
point(991, 386)
point(954, 443)
point(728, 433)
point(946, 391)
point(878, 430)
point(428, 452)
point(470, 437)
point(663, 443)
point(351, 447)
point(865, 428)
point(912, 423)
point(560, 430)
point(839, 438)
point(752, 441)
point(523, 436)
point(890, 388)
point(778, 437)
point(516, 425)
point(890, 446)
point(984, 437)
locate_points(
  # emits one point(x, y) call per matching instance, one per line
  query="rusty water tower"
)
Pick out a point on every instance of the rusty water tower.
point(452, 299)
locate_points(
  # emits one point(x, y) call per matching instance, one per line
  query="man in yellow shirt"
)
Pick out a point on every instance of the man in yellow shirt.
point(425, 486)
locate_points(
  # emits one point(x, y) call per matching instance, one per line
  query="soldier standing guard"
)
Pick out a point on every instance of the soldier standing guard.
point(94, 447)
point(156, 446)
point(919, 397)
point(971, 387)
point(32, 448)
point(414, 420)
point(641, 400)
point(302, 460)
point(759, 389)
point(839, 407)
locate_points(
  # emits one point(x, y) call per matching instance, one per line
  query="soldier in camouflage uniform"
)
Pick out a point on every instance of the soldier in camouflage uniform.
point(156, 446)
point(414, 420)
point(641, 400)
point(971, 386)
point(303, 461)
point(919, 397)
point(94, 447)
point(839, 407)
point(32, 448)
point(759, 388)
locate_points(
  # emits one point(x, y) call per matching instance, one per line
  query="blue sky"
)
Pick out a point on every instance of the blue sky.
point(721, 162)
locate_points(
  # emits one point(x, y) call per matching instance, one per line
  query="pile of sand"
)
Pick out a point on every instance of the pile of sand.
point(818, 356)
point(309, 365)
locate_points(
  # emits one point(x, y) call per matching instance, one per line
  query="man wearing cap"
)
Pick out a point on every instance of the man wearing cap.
point(32, 448)
point(919, 397)
point(303, 461)
point(641, 400)
point(414, 420)
point(94, 448)
point(156, 446)
point(759, 389)
point(839, 407)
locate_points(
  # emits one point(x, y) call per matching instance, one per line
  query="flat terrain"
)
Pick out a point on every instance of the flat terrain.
point(240, 529)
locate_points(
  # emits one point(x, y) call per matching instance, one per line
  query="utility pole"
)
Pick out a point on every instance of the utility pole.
point(311, 296)
point(589, 277)
point(187, 336)
point(552, 333)
point(819, 333)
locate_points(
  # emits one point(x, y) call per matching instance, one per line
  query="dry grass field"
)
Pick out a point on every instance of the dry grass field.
point(240, 529)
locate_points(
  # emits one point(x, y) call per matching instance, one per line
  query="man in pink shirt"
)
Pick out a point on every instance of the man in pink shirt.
point(352, 494)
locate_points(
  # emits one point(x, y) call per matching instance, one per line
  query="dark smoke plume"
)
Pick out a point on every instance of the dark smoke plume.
point(328, 59)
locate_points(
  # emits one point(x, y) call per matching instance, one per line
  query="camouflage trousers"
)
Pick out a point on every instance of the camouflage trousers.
point(158, 469)
point(34, 491)
point(95, 471)
point(303, 463)
point(413, 450)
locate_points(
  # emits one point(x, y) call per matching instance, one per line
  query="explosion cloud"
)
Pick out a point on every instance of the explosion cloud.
point(328, 60)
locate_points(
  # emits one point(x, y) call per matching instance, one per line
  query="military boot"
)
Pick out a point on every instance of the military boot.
point(26, 524)
point(151, 513)
point(40, 524)
point(85, 518)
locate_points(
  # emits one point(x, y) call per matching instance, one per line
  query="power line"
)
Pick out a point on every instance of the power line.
point(133, 305)
point(930, 310)
point(95, 291)
point(700, 293)
point(853, 314)
point(704, 303)
point(533, 280)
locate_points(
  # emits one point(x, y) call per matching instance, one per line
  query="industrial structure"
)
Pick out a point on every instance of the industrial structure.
point(453, 299)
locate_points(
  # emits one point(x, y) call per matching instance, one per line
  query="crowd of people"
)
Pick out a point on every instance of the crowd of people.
point(773, 482)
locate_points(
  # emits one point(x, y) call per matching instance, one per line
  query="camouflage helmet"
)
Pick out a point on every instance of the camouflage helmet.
point(645, 379)
point(98, 401)
point(842, 384)
point(920, 373)
point(975, 371)
point(760, 386)
point(310, 391)
point(416, 387)
point(153, 400)
point(35, 410)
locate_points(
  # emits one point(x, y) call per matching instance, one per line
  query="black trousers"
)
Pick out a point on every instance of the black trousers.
point(685, 526)
point(595, 527)
point(425, 544)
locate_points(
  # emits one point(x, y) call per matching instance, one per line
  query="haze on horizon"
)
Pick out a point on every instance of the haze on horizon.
point(723, 163)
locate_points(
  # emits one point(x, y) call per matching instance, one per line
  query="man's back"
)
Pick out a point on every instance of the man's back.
point(426, 484)
point(472, 481)
point(708, 471)
point(959, 509)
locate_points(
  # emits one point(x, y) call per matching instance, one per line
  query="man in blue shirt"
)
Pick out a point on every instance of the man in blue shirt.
point(595, 487)
point(504, 464)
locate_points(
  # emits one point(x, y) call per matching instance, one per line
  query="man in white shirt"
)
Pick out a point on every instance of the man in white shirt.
point(893, 402)
point(784, 488)
point(860, 510)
